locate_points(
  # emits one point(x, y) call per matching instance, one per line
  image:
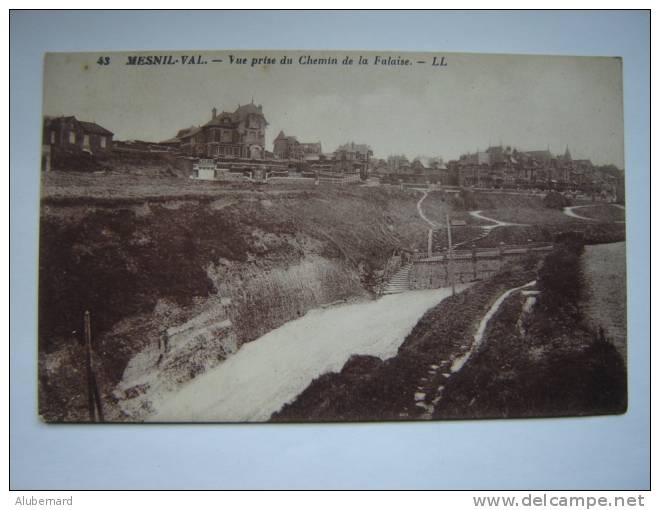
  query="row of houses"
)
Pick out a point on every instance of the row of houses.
point(237, 136)
point(503, 167)
point(240, 135)
point(500, 166)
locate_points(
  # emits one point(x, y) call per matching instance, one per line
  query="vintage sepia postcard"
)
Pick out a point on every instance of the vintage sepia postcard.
point(313, 236)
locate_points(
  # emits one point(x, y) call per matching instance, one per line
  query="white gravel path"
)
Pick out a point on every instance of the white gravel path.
point(496, 223)
point(421, 212)
point(273, 370)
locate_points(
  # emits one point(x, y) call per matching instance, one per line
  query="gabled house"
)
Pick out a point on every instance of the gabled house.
point(71, 133)
point(239, 134)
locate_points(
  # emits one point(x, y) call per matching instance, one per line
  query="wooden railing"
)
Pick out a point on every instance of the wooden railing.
point(480, 253)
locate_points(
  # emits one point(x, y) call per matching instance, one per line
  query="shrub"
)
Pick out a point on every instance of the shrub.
point(465, 200)
point(560, 283)
point(555, 200)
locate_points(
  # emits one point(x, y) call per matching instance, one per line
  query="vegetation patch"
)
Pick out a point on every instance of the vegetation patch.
point(550, 366)
point(555, 200)
point(586, 232)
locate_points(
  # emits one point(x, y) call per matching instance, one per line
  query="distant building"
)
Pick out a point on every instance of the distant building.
point(398, 163)
point(71, 133)
point(74, 138)
point(500, 166)
point(432, 163)
point(422, 169)
point(311, 150)
point(239, 134)
point(288, 147)
point(353, 158)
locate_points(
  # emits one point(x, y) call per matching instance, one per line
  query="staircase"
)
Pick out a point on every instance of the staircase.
point(399, 282)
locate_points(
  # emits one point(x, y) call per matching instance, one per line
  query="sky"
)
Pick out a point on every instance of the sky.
point(475, 100)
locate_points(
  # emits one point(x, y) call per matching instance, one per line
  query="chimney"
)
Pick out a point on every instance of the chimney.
point(214, 113)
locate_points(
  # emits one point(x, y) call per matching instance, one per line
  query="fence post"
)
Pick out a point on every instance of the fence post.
point(93, 396)
point(449, 264)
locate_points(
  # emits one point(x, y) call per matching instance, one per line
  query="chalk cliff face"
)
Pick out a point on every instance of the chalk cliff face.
point(249, 261)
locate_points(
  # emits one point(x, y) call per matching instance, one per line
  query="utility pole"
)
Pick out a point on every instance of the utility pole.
point(449, 263)
point(93, 397)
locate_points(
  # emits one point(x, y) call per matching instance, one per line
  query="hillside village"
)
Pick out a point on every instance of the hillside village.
point(234, 142)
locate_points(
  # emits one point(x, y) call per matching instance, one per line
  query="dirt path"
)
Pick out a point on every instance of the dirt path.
point(570, 211)
point(453, 365)
point(497, 223)
point(479, 335)
point(421, 212)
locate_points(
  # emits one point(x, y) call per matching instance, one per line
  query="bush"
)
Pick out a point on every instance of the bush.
point(465, 200)
point(560, 282)
point(555, 200)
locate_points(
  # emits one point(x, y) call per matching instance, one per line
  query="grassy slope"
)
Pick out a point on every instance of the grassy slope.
point(555, 366)
point(604, 299)
point(85, 187)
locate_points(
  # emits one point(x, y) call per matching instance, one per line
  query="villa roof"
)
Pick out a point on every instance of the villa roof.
point(87, 127)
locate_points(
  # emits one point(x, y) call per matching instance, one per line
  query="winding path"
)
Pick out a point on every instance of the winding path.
point(421, 212)
point(479, 335)
point(570, 211)
point(453, 365)
point(497, 223)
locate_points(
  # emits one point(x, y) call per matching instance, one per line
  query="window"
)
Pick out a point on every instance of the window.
point(72, 137)
point(86, 141)
point(103, 142)
point(52, 137)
